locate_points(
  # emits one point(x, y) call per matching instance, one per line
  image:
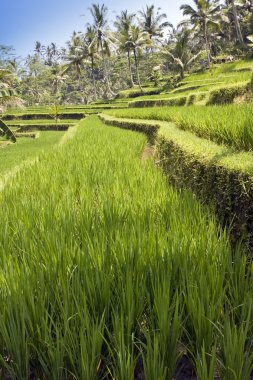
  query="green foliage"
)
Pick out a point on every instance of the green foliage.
point(214, 172)
point(5, 130)
point(156, 77)
point(55, 112)
point(108, 265)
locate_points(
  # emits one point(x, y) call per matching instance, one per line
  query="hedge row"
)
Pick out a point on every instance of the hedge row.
point(37, 116)
point(47, 127)
point(215, 173)
point(177, 101)
point(136, 93)
point(226, 95)
point(31, 135)
point(150, 128)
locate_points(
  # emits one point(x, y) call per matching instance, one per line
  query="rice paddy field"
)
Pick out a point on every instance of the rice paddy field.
point(112, 266)
point(26, 149)
point(109, 273)
point(196, 87)
point(231, 125)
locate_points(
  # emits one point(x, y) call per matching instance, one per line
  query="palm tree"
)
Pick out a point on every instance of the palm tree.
point(92, 53)
point(231, 8)
point(83, 51)
point(152, 22)
point(103, 40)
point(137, 41)
point(8, 97)
point(75, 61)
point(203, 17)
point(122, 24)
point(39, 48)
point(57, 78)
point(180, 49)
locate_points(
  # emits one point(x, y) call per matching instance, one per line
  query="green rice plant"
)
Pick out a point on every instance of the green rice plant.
point(154, 362)
point(204, 309)
point(122, 350)
point(162, 352)
point(237, 356)
point(206, 364)
point(104, 266)
point(27, 149)
point(230, 124)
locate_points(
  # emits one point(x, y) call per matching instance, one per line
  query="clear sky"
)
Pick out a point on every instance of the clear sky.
point(25, 21)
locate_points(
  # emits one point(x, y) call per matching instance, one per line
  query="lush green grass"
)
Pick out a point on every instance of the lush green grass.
point(230, 124)
point(206, 151)
point(25, 149)
point(226, 72)
point(114, 265)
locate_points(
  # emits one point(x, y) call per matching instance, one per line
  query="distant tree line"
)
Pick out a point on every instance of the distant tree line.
point(135, 47)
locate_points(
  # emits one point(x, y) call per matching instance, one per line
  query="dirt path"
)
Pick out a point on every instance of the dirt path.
point(148, 152)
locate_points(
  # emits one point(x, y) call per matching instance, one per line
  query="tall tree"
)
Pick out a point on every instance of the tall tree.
point(123, 24)
point(181, 50)
point(8, 97)
point(137, 41)
point(103, 40)
point(92, 53)
point(152, 21)
point(204, 17)
point(231, 11)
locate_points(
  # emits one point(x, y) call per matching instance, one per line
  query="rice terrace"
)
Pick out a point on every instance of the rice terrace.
point(126, 193)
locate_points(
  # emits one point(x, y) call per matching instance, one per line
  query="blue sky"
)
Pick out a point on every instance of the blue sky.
point(25, 21)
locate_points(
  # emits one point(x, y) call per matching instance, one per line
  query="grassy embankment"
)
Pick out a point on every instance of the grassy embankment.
point(222, 84)
point(114, 266)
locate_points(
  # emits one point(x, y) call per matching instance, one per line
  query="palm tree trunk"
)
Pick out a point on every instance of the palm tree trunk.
point(181, 73)
point(207, 45)
point(93, 77)
point(237, 24)
point(55, 87)
point(107, 77)
point(130, 68)
point(137, 70)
